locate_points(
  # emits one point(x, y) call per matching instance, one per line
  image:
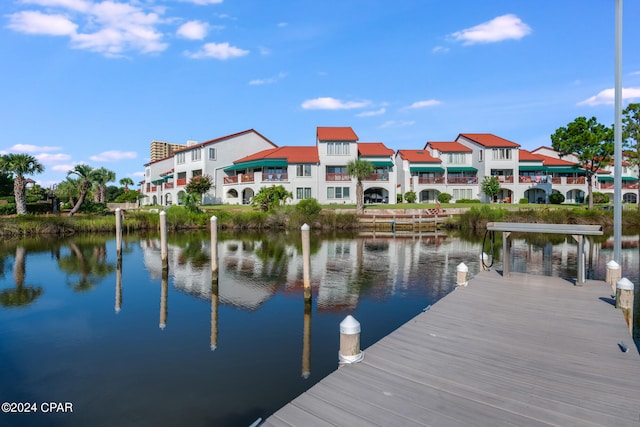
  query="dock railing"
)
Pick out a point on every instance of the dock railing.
point(577, 231)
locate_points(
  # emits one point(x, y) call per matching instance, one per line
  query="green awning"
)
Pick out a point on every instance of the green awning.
point(532, 168)
point(263, 163)
point(605, 178)
point(629, 178)
point(426, 169)
point(381, 163)
point(610, 178)
point(551, 169)
point(461, 169)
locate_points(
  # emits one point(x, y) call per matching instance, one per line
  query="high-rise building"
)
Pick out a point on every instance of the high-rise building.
point(162, 149)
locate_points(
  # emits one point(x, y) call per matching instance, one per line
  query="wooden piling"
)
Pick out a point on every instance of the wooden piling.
point(350, 341)
point(119, 232)
point(118, 305)
point(164, 294)
point(214, 244)
point(461, 274)
point(624, 294)
point(163, 240)
point(613, 275)
point(306, 340)
point(306, 259)
point(213, 342)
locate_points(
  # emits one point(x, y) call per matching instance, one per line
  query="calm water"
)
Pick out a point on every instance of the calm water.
point(129, 346)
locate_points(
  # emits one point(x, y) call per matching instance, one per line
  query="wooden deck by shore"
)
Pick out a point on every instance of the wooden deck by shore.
point(519, 351)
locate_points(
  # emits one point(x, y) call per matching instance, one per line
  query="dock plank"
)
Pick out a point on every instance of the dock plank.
point(520, 350)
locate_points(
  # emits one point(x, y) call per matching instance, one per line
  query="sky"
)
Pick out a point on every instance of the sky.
point(95, 81)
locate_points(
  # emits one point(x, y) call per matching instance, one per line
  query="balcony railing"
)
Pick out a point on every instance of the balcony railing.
point(268, 177)
point(245, 177)
point(377, 177)
point(576, 180)
point(469, 180)
point(528, 179)
point(181, 182)
point(505, 179)
point(168, 185)
point(625, 185)
point(429, 179)
point(339, 176)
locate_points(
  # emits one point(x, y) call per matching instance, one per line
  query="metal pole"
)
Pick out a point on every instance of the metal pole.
point(617, 158)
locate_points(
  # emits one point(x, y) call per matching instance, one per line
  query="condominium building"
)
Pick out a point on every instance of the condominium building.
point(243, 163)
point(162, 149)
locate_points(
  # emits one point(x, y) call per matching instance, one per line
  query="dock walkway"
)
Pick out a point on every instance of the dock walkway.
point(519, 351)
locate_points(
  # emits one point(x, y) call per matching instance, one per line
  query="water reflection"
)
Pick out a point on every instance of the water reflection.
point(22, 294)
point(249, 312)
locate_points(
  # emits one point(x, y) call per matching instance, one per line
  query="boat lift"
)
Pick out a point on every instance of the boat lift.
point(578, 232)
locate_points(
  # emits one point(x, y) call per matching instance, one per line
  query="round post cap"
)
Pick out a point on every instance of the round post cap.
point(625, 284)
point(612, 265)
point(349, 326)
point(462, 268)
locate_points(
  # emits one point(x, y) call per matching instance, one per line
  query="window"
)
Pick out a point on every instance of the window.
point(464, 193)
point(502, 154)
point(456, 158)
point(481, 155)
point(147, 172)
point(196, 154)
point(338, 148)
point(303, 193)
point(212, 153)
point(180, 158)
point(303, 170)
point(197, 172)
point(337, 192)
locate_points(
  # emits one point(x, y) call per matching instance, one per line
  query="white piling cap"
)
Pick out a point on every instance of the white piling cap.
point(612, 265)
point(117, 209)
point(305, 227)
point(462, 268)
point(349, 326)
point(625, 284)
point(213, 218)
point(163, 213)
point(484, 255)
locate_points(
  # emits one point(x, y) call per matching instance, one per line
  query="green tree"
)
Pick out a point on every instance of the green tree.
point(490, 186)
point(410, 196)
point(590, 141)
point(359, 169)
point(22, 294)
point(101, 177)
point(199, 185)
point(126, 182)
point(631, 136)
point(68, 190)
point(269, 198)
point(6, 183)
point(85, 174)
point(20, 165)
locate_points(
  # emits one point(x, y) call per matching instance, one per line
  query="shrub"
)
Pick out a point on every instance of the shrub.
point(598, 198)
point(309, 208)
point(556, 198)
point(468, 201)
point(410, 196)
point(8, 209)
point(523, 201)
point(398, 198)
point(444, 197)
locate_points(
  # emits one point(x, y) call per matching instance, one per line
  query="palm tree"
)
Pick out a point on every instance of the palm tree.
point(359, 169)
point(102, 176)
point(86, 179)
point(20, 165)
point(68, 190)
point(126, 182)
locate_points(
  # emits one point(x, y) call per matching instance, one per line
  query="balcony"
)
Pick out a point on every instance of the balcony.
point(377, 177)
point(168, 185)
point(339, 176)
point(571, 180)
point(505, 179)
point(541, 179)
point(625, 185)
point(467, 180)
point(429, 179)
point(245, 177)
point(181, 182)
point(277, 177)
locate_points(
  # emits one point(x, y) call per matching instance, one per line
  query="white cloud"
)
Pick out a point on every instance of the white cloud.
point(328, 103)
point(113, 156)
point(440, 49)
point(220, 51)
point(424, 104)
point(270, 80)
point(607, 96)
point(139, 174)
point(63, 168)
point(106, 27)
point(505, 27)
point(397, 124)
point(193, 30)
point(372, 113)
point(51, 159)
point(29, 148)
point(34, 22)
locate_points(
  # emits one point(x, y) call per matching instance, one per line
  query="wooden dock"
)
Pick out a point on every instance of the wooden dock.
point(520, 351)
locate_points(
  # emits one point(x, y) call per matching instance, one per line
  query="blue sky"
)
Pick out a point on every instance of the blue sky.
point(92, 81)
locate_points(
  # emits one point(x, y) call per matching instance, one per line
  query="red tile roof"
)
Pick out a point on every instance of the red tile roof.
point(449, 147)
point(418, 156)
point(335, 134)
point(290, 154)
point(224, 138)
point(374, 149)
point(552, 161)
point(528, 156)
point(489, 140)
